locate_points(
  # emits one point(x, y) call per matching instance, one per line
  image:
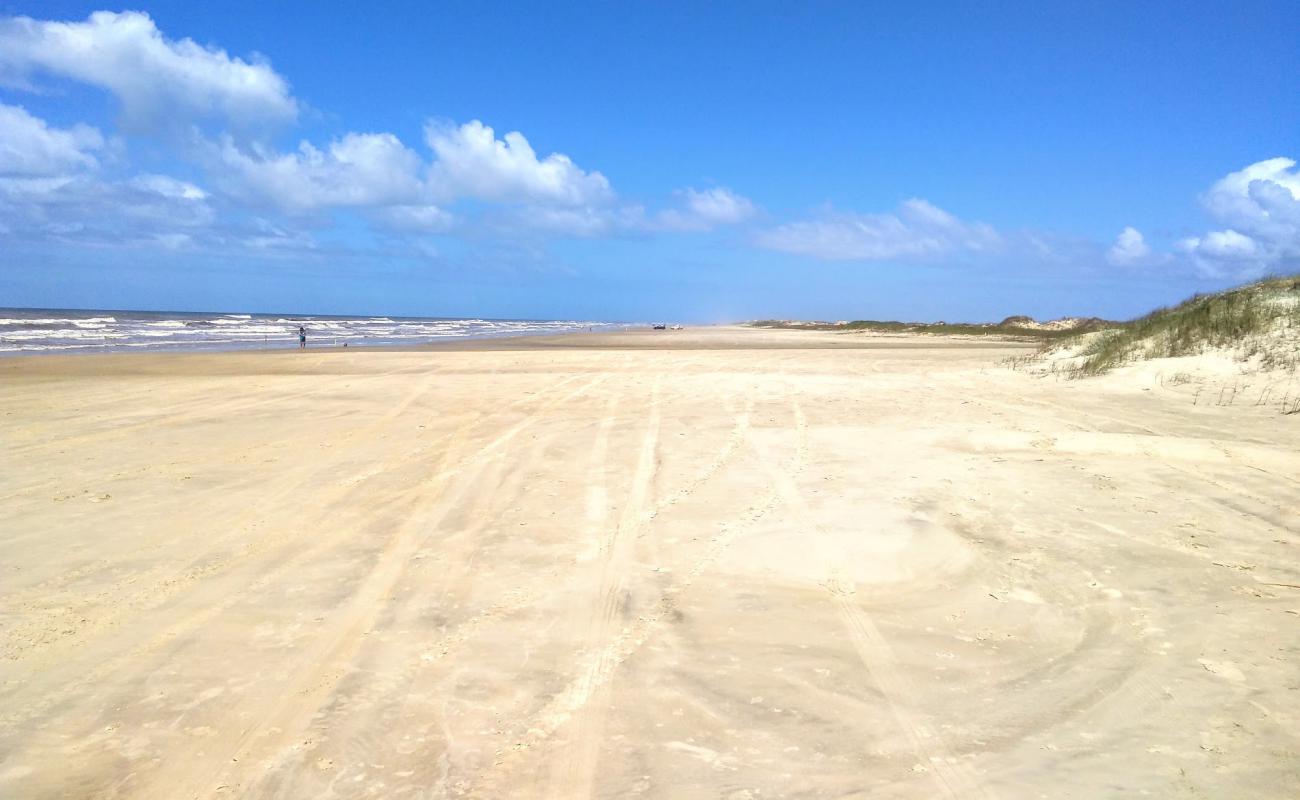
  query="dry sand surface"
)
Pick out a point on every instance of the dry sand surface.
point(697, 564)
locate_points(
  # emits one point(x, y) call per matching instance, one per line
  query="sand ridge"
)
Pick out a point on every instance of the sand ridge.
point(713, 563)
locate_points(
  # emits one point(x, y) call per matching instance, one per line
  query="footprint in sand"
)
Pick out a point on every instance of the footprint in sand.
point(1225, 669)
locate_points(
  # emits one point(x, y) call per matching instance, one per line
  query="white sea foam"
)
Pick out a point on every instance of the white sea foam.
point(24, 331)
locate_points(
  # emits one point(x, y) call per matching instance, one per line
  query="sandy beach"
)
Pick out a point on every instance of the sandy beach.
point(716, 563)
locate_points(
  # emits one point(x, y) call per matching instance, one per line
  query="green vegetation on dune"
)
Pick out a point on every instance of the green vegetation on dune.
point(1260, 319)
point(933, 328)
point(1250, 319)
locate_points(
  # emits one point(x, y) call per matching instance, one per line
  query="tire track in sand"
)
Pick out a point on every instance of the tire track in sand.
point(361, 742)
point(140, 591)
point(221, 409)
point(575, 769)
point(1057, 411)
point(597, 508)
point(586, 698)
point(414, 677)
point(569, 704)
point(451, 464)
point(1225, 447)
point(319, 673)
point(952, 778)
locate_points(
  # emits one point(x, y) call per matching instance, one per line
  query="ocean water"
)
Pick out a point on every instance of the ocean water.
point(34, 330)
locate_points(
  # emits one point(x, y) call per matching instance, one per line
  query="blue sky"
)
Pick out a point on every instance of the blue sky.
point(651, 161)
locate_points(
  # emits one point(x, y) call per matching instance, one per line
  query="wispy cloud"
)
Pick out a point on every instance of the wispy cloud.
point(916, 230)
point(87, 208)
point(706, 209)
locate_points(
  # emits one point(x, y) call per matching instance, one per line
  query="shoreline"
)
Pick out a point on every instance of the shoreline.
point(740, 338)
point(56, 332)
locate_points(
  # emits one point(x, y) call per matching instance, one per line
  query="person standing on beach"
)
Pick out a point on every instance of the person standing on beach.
point(302, 337)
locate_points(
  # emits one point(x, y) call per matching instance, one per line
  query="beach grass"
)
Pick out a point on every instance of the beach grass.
point(1252, 320)
point(929, 328)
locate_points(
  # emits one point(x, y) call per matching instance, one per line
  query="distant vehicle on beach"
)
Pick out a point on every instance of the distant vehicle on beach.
point(661, 327)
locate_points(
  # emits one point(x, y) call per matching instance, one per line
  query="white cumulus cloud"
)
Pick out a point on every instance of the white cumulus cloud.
point(52, 188)
point(472, 162)
point(1260, 198)
point(29, 146)
point(157, 80)
point(357, 170)
point(377, 173)
point(1131, 250)
point(1260, 209)
point(916, 231)
point(1225, 245)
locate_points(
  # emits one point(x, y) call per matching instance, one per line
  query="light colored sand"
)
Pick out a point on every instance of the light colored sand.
point(898, 571)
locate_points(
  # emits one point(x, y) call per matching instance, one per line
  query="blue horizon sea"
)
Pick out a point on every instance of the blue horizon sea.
point(31, 331)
